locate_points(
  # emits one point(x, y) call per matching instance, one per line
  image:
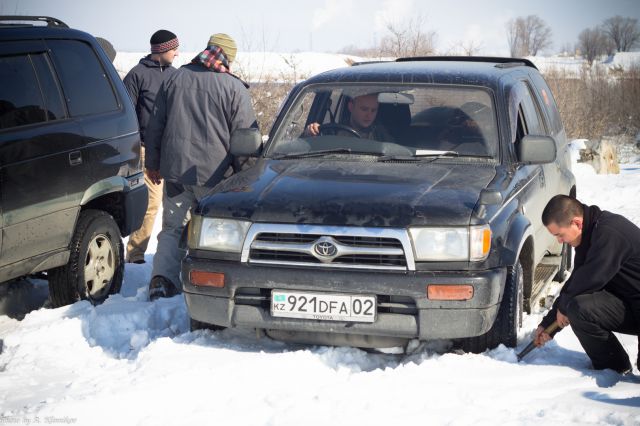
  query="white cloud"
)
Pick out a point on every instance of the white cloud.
point(331, 10)
point(392, 12)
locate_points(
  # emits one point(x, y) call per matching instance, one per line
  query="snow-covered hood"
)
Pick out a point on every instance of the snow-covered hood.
point(352, 193)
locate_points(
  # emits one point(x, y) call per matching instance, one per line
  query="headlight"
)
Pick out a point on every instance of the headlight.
point(451, 244)
point(225, 235)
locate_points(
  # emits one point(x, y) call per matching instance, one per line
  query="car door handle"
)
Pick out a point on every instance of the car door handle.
point(75, 158)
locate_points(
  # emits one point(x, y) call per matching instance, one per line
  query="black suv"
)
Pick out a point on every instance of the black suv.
point(430, 229)
point(71, 182)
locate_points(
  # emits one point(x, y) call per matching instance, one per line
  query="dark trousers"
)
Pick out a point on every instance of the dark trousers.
point(593, 319)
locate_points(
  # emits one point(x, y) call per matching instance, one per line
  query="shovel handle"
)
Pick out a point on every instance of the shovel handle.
point(531, 346)
point(553, 327)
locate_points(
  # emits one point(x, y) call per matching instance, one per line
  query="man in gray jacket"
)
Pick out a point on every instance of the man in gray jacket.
point(143, 83)
point(196, 111)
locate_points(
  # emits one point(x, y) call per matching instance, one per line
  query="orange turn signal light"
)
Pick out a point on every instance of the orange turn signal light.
point(449, 291)
point(207, 279)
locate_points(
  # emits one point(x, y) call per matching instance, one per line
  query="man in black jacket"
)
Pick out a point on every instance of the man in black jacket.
point(143, 83)
point(602, 295)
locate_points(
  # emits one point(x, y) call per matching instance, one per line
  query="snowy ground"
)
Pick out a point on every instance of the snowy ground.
point(130, 361)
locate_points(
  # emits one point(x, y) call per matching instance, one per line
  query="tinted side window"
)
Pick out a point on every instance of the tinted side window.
point(549, 102)
point(532, 116)
point(48, 86)
point(21, 102)
point(84, 81)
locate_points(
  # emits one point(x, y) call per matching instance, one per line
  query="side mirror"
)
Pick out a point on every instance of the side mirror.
point(536, 150)
point(245, 143)
point(487, 197)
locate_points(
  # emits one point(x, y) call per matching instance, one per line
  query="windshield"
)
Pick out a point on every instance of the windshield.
point(388, 120)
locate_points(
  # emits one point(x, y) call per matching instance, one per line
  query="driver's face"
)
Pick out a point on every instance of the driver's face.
point(363, 110)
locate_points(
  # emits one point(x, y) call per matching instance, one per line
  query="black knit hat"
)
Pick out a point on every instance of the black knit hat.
point(163, 40)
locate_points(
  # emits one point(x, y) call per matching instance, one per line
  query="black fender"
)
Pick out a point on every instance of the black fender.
point(520, 230)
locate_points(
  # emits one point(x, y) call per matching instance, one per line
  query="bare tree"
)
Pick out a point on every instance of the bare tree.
point(528, 35)
point(408, 39)
point(624, 32)
point(514, 38)
point(464, 48)
point(567, 49)
point(592, 42)
point(471, 47)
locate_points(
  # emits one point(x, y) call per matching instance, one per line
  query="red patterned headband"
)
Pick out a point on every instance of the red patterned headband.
point(166, 46)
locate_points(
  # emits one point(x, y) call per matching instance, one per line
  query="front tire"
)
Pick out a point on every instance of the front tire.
point(95, 268)
point(509, 319)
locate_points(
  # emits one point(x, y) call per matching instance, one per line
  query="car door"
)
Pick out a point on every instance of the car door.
point(530, 122)
point(41, 167)
point(93, 104)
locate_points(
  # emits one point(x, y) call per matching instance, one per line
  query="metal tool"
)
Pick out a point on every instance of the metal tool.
point(531, 346)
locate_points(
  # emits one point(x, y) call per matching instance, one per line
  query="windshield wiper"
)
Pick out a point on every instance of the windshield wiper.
point(312, 154)
point(419, 155)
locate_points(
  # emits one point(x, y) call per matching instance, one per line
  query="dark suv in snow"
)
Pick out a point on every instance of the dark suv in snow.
point(71, 182)
point(430, 230)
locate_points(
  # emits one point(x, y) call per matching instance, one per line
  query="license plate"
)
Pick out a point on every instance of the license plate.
point(323, 306)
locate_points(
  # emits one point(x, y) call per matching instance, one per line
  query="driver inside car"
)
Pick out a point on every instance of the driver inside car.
point(363, 111)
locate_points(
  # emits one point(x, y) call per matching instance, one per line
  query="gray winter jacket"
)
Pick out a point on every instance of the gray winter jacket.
point(143, 82)
point(196, 112)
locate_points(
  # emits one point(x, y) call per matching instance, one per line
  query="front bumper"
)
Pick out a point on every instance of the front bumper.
point(404, 311)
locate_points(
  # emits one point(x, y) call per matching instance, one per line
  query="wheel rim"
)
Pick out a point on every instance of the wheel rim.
point(99, 267)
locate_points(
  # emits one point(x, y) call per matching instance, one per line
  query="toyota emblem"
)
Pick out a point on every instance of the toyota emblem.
point(325, 249)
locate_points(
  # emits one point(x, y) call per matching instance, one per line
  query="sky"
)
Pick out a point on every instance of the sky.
point(319, 25)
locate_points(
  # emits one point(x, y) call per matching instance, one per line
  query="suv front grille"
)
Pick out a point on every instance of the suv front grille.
point(334, 248)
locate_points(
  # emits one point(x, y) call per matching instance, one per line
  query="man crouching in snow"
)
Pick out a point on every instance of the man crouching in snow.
point(603, 293)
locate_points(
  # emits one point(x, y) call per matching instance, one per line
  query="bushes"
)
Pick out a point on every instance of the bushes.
point(597, 102)
point(267, 98)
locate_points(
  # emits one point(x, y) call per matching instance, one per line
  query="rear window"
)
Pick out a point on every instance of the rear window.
point(85, 83)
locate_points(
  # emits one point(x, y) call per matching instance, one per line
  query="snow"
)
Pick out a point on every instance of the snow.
point(259, 66)
point(575, 65)
point(133, 362)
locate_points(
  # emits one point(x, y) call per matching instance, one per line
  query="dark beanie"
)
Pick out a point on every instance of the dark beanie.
point(162, 41)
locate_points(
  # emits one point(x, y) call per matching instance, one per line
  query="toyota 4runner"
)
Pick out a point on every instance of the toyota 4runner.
point(430, 230)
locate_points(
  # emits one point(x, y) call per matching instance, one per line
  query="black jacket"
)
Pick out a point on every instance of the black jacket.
point(143, 83)
point(608, 257)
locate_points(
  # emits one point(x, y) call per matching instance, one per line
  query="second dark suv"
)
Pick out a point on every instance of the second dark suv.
point(71, 183)
point(423, 224)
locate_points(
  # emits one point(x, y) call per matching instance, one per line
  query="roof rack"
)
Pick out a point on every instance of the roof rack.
point(370, 62)
point(500, 62)
point(51, 22)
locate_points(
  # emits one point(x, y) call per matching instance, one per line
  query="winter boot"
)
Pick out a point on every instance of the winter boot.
point(160, 286)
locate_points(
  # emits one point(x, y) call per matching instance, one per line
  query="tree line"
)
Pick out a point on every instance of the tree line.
point(525, 35)
point(591, 105)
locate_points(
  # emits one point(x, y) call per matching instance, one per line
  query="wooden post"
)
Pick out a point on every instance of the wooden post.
point(602, 156)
